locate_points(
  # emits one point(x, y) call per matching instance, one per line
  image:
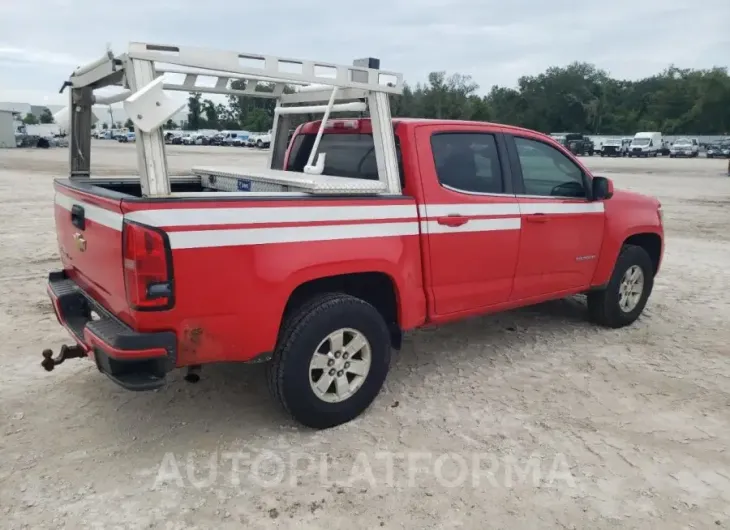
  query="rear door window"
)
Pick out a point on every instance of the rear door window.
point(467, 162)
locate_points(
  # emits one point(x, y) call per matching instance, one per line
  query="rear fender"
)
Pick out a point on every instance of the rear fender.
point(404, 288)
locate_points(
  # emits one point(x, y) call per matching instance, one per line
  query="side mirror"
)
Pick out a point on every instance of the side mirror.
point(602, 188)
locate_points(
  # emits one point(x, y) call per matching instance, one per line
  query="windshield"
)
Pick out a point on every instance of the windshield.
point(683, 141)
point(641, 141)
point(612, 142)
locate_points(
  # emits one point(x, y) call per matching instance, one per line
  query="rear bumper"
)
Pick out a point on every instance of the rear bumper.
point(133, 360)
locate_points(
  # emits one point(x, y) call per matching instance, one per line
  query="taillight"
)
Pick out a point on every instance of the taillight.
point(147, 268)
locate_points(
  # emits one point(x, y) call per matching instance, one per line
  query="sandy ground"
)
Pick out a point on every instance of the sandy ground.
point(529, 419)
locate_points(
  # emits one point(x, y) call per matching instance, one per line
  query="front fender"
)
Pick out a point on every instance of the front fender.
point(627, 215)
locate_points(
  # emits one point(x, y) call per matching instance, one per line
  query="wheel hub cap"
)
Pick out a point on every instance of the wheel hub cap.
point(339, 365)
point(631, 288)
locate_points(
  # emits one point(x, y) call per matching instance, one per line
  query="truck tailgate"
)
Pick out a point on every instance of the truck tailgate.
point(89, 231)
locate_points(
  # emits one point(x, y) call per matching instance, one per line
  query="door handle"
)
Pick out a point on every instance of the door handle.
point(453, 220)
point(537, 218)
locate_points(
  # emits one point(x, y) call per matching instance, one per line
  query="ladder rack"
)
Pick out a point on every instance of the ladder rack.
point(318, 86)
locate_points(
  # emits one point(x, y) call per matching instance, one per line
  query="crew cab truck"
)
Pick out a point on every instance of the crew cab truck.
point(357, 231)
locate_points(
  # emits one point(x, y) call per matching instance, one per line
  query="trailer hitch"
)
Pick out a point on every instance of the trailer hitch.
point(49, 362)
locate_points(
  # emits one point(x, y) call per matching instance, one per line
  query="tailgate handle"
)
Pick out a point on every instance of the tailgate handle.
point(78, 218)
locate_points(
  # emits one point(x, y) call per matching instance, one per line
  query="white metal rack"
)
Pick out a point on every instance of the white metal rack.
point(322, 88)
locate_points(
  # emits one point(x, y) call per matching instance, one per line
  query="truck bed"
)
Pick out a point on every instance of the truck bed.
point(235, 179)
point(130, 186)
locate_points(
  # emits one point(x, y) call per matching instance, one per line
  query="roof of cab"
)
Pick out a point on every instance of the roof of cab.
point(426, 121)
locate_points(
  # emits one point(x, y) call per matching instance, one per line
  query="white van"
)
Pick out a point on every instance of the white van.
point(646, 144)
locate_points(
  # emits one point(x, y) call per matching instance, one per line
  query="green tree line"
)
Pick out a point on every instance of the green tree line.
point(578, 97)
point(45, 117)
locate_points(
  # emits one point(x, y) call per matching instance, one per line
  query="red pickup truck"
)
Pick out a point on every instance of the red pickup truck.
point(491, 218)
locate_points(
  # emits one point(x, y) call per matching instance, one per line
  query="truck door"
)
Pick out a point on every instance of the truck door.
point(562, 229)
point(469, 220)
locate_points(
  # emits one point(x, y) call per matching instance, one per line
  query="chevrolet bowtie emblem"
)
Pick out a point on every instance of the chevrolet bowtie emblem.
point(80, 241)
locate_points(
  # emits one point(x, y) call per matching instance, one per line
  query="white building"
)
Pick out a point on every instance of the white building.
point(7, 129)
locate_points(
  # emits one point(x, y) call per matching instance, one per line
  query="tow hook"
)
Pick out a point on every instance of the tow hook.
point(49, 362)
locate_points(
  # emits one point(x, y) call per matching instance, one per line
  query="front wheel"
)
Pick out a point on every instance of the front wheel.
point(625, 297)
point(331, 360)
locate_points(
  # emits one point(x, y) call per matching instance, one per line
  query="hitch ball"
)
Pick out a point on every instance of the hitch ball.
point(47, 361)
point(67, 352)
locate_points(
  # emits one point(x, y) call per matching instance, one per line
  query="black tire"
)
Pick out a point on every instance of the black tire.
point(603, 306)
point(301, 334)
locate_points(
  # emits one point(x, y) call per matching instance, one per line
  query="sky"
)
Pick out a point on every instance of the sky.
point(494, 41)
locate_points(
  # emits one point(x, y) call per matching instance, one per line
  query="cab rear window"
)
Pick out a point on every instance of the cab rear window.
point(348, 155)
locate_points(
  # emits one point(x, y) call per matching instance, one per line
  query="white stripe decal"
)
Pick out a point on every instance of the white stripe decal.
point(91, 212)
point(474, 225)
point(470, 209)
point(294, 234)
point(297, 214)
point(558, 207)
point(284, 214)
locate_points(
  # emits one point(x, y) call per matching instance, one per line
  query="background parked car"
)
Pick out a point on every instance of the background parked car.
point(612, 147)
point(688, 147)
point(126, 138)
point(576, 143)
point(720, 150)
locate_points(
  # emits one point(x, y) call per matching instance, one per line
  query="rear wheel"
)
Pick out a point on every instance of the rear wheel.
point(625, 297)
point(331, 360)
